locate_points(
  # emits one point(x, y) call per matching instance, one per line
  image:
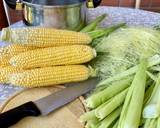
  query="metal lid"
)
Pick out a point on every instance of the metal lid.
point(54, 2)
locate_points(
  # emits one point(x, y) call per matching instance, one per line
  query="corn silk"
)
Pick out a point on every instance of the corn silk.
point(123, 49)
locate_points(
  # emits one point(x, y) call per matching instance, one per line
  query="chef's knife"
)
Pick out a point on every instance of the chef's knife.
point(47, 104)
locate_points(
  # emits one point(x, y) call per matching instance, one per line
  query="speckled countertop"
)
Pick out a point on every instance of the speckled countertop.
point(115, 15)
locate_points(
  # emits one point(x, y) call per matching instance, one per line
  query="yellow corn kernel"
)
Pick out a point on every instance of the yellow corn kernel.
point(4, 61)
point(5, 72)
point(53, 56)
point(50, 76)
point(14, 49)
point(44, 37)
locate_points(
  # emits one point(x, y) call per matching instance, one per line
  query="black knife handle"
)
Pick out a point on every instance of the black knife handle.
point(12, 116)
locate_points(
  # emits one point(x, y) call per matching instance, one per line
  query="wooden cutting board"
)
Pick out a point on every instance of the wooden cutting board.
point(66, 117)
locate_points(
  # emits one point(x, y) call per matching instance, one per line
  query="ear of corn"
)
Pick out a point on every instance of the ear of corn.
point(4, 61)
point(5, 73)
point(14, 49)
point(7, 52)
point(44, 37)
point(53, 56)
point(50, 76)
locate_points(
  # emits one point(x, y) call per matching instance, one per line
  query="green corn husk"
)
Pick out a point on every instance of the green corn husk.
point(105, 109)
point(93, 123)
point(110, 118)
point(150, 123)
point(100, 97)
point(92, 26)
point(113, 28)
point(148, 93)
point(158, 123)
point(152, 108)
point(149, 83)
point(131, 112)
point(115, 125)
point(90, 125)
point(104, 32)
point(155, 60)
point(155, 68)
point(88, 116)
point(153, 123)
point(152, 76)
point(123, 49)
point(147, 123)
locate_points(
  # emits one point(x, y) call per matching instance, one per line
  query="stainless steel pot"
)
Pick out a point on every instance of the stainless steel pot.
point(66, 14)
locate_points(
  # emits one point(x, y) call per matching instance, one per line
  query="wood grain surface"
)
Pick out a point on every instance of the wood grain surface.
point(65, 117)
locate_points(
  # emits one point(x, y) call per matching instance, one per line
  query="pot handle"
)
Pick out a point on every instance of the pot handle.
point(94, 3)
point(13, 3)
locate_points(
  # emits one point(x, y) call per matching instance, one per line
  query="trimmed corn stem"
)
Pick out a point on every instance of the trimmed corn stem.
point(97, 99)
point(105, 109)
point(155, 60)
point(93, 123)
point(110, 118)
point(88, 116)
point(131, 112)
point(92, 26)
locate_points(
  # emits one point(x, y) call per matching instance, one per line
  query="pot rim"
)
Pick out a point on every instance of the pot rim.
point(53, 6)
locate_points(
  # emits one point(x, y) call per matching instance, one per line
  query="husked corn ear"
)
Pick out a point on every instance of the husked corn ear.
point(4, 61)
point(44, 37)
point(50, 76)
point(14, 49)
point(5, 73)
point(53, 56)
point(7, 52)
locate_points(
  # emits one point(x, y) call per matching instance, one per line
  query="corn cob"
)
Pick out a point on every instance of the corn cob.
point(50, 76)
point(4, 61)
point(8, 51)
point(53, 56)
point(14, 49)
point(44, 37)
point(5, 72)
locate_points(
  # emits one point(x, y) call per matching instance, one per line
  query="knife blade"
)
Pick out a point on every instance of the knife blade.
point(47, 104)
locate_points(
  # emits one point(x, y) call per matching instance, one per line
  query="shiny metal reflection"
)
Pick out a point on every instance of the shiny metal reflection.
point(71, 17)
